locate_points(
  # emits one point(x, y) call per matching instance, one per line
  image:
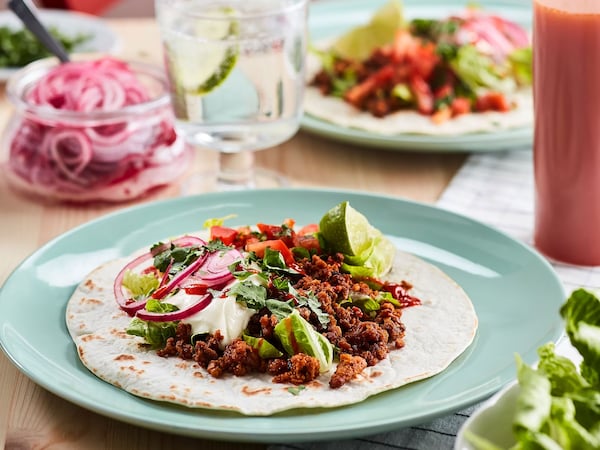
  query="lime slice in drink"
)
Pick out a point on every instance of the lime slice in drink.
point(346, 230)
point(201, 59)
point(360, 42)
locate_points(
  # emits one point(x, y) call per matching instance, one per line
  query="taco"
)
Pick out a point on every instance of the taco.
point(466, 73)
point(243, 320)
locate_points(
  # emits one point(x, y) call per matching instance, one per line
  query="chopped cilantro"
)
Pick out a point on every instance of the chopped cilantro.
point(295, 390)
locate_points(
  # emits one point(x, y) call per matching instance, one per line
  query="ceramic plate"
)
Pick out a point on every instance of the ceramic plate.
point(329, 19)
point(493, 421)
point(509, 284)
point(71, 23)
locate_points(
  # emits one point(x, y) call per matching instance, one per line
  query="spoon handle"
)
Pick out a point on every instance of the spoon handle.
point(31, 21)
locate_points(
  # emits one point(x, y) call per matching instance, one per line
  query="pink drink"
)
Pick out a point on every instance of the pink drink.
point(567, 130)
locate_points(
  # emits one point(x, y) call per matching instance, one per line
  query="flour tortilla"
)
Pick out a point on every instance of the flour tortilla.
point(337, 111)
point(437, 332)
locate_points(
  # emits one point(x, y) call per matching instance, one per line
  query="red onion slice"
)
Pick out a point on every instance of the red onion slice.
point(217, 266)
point(130, 307)
point(180, 314)
point(179, 277)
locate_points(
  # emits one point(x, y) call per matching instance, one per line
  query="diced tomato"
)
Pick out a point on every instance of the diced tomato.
point(196, 289)
point(424, 60)
point(460, 105)
point(307, 241)
point(493, 101)
point(403, 46)
point(444, 91)
point(224, 234)
point(308, 229)
point(283, 232)
point(275, 244)
point(358, 93)
point(422, 91)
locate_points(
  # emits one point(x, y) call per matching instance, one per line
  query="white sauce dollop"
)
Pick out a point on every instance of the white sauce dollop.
point(223, 313)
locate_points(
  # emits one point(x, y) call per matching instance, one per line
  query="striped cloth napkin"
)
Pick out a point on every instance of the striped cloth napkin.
point(496, 189)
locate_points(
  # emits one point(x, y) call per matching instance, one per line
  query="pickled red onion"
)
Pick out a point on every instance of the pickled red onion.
point(85, 156)
point(130, 307)
point(105, 84)
point(180, 314)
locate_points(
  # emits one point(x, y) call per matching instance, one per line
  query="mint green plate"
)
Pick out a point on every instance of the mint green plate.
point(328, 19)
point(515, 292)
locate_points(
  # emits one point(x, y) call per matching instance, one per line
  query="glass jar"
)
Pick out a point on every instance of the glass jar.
point(82, 156)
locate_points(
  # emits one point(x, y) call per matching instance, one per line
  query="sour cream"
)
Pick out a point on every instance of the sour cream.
point(225, 314)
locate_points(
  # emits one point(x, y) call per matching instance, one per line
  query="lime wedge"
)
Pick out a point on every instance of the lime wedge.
point(202, 58)
point(382, 257)
point(378, 262)
point(360, 42)
point(346, 230)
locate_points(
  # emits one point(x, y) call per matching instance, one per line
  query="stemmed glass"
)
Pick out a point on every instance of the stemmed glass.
point(236, 73)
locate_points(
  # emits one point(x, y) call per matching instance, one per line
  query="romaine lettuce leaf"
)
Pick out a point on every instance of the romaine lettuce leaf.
point(155, 333)
point(265, 348)
point(298, 336)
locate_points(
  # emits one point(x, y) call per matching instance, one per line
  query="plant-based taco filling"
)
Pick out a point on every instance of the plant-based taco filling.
point(270, 299)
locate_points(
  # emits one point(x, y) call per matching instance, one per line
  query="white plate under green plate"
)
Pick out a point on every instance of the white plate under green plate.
point(329, 19)
point(515, 292)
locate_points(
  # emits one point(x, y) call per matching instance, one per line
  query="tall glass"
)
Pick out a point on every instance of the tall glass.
point(567, 130)
point(236, 72)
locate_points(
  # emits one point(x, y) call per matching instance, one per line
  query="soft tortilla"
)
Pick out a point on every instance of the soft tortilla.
point(337, 111)
point(437, 332)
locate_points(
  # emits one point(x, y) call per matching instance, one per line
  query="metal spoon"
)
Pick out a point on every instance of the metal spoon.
point(33, 24)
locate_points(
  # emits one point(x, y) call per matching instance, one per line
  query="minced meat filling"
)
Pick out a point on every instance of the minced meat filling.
point(361, 339)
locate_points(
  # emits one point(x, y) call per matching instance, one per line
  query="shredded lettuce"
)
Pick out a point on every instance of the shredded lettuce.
point(478, 71)
point(140, 285)
point(521, 62)
point(155, 333)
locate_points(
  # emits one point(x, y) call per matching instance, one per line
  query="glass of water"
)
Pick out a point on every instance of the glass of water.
point(236, 74)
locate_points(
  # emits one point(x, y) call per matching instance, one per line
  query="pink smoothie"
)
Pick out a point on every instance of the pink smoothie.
point(567, 130)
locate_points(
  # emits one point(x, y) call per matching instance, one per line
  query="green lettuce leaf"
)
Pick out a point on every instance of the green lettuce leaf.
point(298, 336)
point(478, 71)
point(155, 333)
point(140, 285)
point(582, 315)
point(265, 349)
point(521, 62)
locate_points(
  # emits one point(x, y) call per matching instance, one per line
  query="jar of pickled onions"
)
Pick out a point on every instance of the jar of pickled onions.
point(91, 130)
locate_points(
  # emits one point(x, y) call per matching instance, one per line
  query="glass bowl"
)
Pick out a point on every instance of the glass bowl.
point(97, 155)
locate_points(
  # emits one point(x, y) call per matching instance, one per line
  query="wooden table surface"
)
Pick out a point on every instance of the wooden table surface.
point(31, 417)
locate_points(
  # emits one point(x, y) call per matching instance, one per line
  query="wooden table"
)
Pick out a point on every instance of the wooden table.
point(31, 417)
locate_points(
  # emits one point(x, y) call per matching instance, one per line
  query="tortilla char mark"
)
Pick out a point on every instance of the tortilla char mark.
point(253, 392)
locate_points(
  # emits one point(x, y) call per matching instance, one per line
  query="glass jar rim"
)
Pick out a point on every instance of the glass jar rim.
point(25, 77)
point(291, 6)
